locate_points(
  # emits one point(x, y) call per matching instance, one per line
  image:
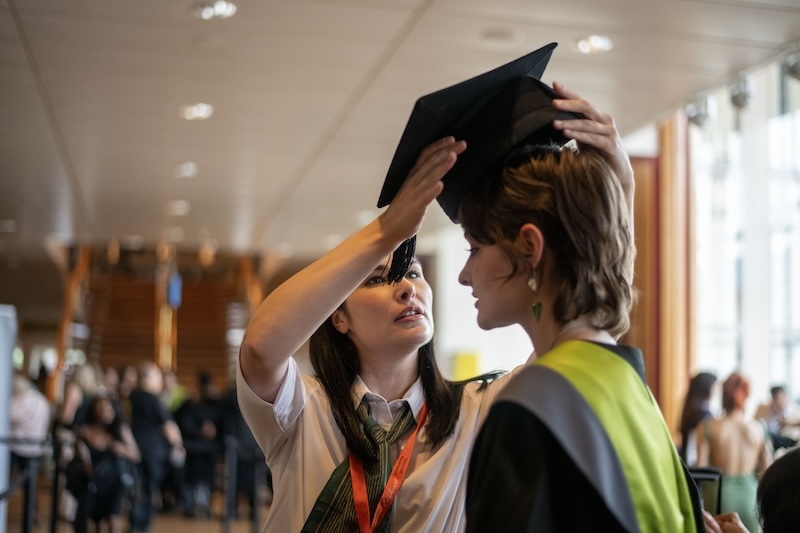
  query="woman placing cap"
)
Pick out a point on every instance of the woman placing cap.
point(377, 399)
point(575, 441)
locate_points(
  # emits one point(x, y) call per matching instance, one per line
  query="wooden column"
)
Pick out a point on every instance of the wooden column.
point(676, 265)
point(644, 328)
point(72, 294)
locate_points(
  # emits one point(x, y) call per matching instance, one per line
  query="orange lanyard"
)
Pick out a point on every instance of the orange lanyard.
point(393, 485)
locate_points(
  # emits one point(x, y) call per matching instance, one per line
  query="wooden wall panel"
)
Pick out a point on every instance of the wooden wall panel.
point(644, 328)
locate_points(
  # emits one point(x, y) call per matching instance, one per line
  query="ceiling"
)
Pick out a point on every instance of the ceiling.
point(310, 99)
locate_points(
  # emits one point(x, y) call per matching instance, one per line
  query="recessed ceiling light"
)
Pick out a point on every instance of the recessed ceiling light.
point(503, 36)
point(133, 242)
point(186, 169)
point(8, 226)
point(594, 44)
point(365, 216)
point(198, 111)
point(332, 241)
point(178, 208)
point(284, 250)
point(219, 9)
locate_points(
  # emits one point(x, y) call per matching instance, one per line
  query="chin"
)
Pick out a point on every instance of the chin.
point(490, 323)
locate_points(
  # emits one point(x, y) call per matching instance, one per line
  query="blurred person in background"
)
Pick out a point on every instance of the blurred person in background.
point(78, 393)
point(29, 418)
point(157, 436)
point(738, 445)
point(107, 449)
point(200, 422)
point(695, 409)
point(782, 418)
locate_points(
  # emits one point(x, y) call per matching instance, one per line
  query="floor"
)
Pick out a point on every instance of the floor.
point(163, 522)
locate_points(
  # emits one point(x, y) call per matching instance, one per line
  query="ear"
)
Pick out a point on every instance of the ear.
point(339, 319)
point(531, 237)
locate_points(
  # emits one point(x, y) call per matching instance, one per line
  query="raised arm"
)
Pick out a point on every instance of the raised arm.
point(290, 314)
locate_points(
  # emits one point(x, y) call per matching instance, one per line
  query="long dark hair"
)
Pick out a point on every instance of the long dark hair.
point(335, 361)
point(695, 407)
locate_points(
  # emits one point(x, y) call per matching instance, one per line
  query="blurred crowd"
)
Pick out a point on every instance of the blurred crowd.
point(134, 442)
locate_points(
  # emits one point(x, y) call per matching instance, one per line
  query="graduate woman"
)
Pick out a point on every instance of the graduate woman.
point(575, 441)
point(377, 440)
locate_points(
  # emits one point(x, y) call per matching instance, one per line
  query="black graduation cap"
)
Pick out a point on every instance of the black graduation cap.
point(493, 113)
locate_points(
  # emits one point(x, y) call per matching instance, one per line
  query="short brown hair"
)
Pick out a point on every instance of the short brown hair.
point(576, 200)
point(730, 387)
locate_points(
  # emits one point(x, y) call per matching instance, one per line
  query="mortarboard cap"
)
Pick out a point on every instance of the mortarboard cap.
point(493, 112)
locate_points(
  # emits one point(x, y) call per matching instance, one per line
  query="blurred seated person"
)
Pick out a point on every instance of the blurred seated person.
point(782, 418)
point(736, 444)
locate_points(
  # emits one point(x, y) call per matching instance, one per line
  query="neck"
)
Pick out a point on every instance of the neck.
point(579, 329)
point(389, 379)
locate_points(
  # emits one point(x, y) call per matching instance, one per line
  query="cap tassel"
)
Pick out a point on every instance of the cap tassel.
point(401, 260)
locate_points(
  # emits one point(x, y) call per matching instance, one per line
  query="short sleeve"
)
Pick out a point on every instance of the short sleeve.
point(271, 423)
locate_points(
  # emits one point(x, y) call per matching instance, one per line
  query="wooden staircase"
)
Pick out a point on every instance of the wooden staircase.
point(122, 317)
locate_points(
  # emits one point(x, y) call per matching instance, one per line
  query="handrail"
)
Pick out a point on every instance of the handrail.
point(22, 478)
point(26, 478)
point(233, 451)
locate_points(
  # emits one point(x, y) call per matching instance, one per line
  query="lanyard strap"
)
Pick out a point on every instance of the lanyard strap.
point(398, 475)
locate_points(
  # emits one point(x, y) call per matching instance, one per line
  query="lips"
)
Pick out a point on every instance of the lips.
point(410, 311)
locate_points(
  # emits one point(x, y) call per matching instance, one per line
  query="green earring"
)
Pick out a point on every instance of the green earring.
point(537, 310)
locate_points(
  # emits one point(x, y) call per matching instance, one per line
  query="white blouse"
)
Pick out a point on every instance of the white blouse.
point(303, 445)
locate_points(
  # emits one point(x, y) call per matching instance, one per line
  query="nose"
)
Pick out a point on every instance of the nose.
point(405, 289)
point(463, 277)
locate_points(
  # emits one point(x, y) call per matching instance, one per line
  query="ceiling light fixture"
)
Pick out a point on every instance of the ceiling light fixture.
point(133, 242)
point(219, 9)
point(284, 250)
point(503, 37)
point(594, 44)
point(697, 111)
point(792, 65)
point(178, 208)
point(198, 111)
point(8, 226)
point(741, 93)
point(187, 169)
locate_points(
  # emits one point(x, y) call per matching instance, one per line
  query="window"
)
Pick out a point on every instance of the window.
point(746, 174)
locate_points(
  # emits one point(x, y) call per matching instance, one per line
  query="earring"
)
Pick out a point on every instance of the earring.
point(537, 310)
point(532, 282)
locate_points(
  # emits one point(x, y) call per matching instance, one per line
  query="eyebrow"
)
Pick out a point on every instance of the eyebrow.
point(383, 267)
